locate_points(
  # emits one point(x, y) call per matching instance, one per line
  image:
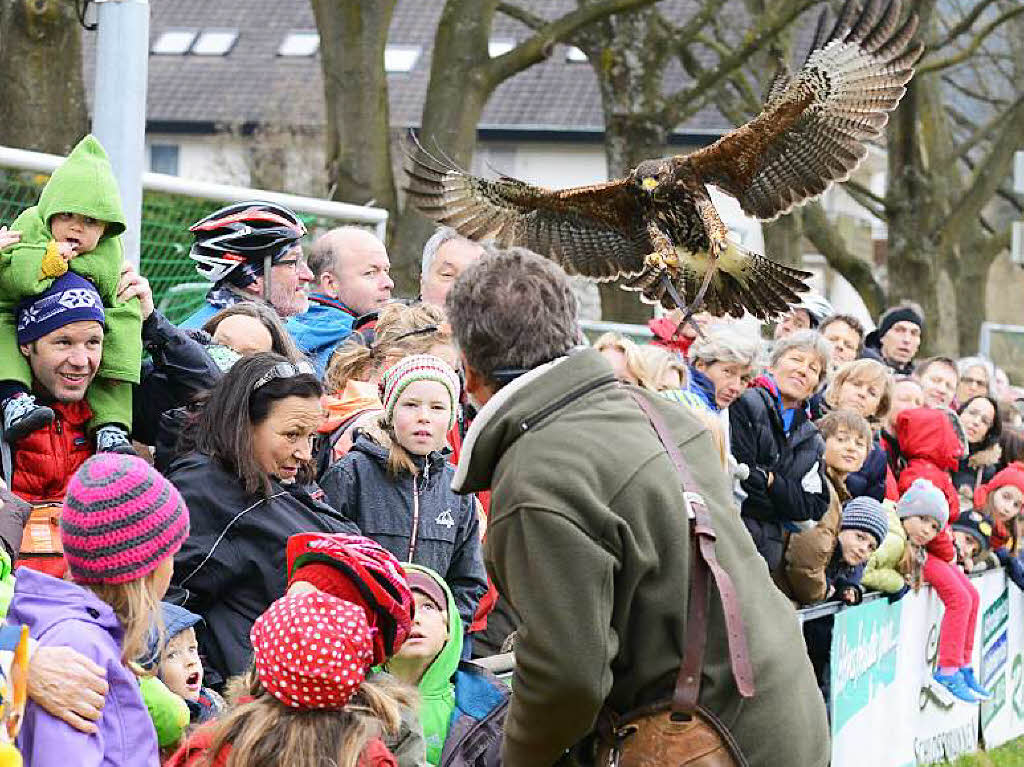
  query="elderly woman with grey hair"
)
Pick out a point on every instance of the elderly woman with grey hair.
point(770, 433)
point(977, 375)
point(446, 255)
point(721, 365)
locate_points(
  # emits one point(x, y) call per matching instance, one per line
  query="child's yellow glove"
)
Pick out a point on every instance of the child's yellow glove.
point(54, 264)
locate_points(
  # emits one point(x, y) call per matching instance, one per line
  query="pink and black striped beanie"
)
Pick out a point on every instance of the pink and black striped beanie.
point(418, 367)
point(121, 519)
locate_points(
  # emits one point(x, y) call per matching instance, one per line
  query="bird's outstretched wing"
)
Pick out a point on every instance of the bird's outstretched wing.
point(812, 129)
point(594, 231)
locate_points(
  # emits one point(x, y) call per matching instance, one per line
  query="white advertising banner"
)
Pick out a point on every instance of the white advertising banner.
point(1002, 663)
point(886, 709)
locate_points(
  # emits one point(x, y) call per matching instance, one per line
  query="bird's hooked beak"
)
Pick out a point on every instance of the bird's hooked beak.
point(649, 184)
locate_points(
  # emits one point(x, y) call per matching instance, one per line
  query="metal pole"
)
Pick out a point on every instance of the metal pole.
point(119, 106)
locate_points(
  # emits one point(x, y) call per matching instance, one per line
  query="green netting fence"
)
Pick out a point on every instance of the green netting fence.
point(165, 241)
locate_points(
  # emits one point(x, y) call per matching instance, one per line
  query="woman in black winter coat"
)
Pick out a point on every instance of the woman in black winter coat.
point(771, 434)
point(244, 474)
point(983, 426)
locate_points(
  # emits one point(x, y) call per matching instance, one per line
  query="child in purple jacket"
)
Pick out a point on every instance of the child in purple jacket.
point(121, 525)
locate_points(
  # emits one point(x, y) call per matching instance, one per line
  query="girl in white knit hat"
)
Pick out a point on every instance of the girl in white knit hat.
point(395, 482)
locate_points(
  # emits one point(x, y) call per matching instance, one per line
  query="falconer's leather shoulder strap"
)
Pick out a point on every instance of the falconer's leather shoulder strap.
point(702, 540)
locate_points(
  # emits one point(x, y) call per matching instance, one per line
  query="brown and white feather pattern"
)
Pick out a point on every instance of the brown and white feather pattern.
point(814, 126)
point(594, 231)
point(810, 134)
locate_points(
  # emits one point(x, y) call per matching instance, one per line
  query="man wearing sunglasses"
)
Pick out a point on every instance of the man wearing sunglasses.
point(251, 251)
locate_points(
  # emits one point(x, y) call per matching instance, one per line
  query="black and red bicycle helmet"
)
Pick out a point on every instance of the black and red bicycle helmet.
point(254, 233)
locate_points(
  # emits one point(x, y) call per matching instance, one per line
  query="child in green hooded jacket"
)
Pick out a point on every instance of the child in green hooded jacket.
point(462, 705)
point(76, 226)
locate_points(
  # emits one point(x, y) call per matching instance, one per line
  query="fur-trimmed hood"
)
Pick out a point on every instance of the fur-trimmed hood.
point(987, 457)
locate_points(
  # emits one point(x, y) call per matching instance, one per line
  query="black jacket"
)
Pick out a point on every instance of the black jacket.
point(388, 509)
point(870, 480)
point(758, 439)
point(976, 469)
point(875, 353)
point(233, 565)
point(179, 370)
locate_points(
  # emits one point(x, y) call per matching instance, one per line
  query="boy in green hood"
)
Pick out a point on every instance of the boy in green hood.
point(76, 226)
point(462, 705)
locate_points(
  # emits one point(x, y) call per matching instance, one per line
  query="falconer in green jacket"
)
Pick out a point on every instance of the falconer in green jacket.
point(83, 188)
point(588, 536)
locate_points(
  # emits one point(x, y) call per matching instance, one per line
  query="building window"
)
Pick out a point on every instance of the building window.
point(215, 42)
point(173, 42)
point(163, 158)
point(500, 47)
point(400, 58)
point(299, 43)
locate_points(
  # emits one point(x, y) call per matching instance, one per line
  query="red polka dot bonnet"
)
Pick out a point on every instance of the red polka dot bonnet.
point(312, 650)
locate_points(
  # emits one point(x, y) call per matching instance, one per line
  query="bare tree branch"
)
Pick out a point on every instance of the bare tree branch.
point(689, 102)
point(987, 177)
point(964, 25)
point(538, 46)
point(865, 197)
point(523, 16)
point(980, 134)
point(972, 47)
point(858, 272)
point(686, 34)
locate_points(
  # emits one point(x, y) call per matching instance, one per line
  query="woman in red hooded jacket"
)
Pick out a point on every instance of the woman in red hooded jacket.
point(931, 443)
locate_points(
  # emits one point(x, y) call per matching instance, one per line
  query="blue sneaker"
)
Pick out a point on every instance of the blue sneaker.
point(968, 676)
point(956, 684)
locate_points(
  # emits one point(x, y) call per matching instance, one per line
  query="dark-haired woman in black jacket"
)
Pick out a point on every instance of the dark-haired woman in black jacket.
point(983, 426)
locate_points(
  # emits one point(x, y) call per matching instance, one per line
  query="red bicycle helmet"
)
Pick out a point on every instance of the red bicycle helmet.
point(357, 570)
point(254, 233)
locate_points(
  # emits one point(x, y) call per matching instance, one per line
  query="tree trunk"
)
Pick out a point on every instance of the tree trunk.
point(42, 96)
point(629, 139)
point(353, 35)
point(629, 54)
point(455, 100)
point(910, 207)
point(784, 238)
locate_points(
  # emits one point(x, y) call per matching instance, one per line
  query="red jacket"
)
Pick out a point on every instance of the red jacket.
point(488, 600)
point(43, 464)
point(931, 446)
point(664, 330)
point(193, 751)
point(45, 459)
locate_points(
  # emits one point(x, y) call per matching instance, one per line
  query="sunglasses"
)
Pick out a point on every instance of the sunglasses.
point(283, 370)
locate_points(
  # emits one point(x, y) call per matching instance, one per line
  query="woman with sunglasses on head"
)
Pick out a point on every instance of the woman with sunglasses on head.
point(245, 473)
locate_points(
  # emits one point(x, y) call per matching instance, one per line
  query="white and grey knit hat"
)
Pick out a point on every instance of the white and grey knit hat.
point(418, 367)
point(867, 514)
point(923, 499)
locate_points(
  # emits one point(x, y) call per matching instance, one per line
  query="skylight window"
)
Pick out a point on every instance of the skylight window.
point(400, 58)
point(498, 47)
point(299, 44)
point(575, 55)
point(173, 42)
point(215, 42)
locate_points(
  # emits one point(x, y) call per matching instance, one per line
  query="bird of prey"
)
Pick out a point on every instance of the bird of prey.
point(657, 229)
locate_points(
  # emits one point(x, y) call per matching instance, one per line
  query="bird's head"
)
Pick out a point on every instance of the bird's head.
point(652, 176)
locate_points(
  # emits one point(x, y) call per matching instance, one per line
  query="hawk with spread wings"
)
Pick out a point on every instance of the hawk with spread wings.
point(657, 230)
